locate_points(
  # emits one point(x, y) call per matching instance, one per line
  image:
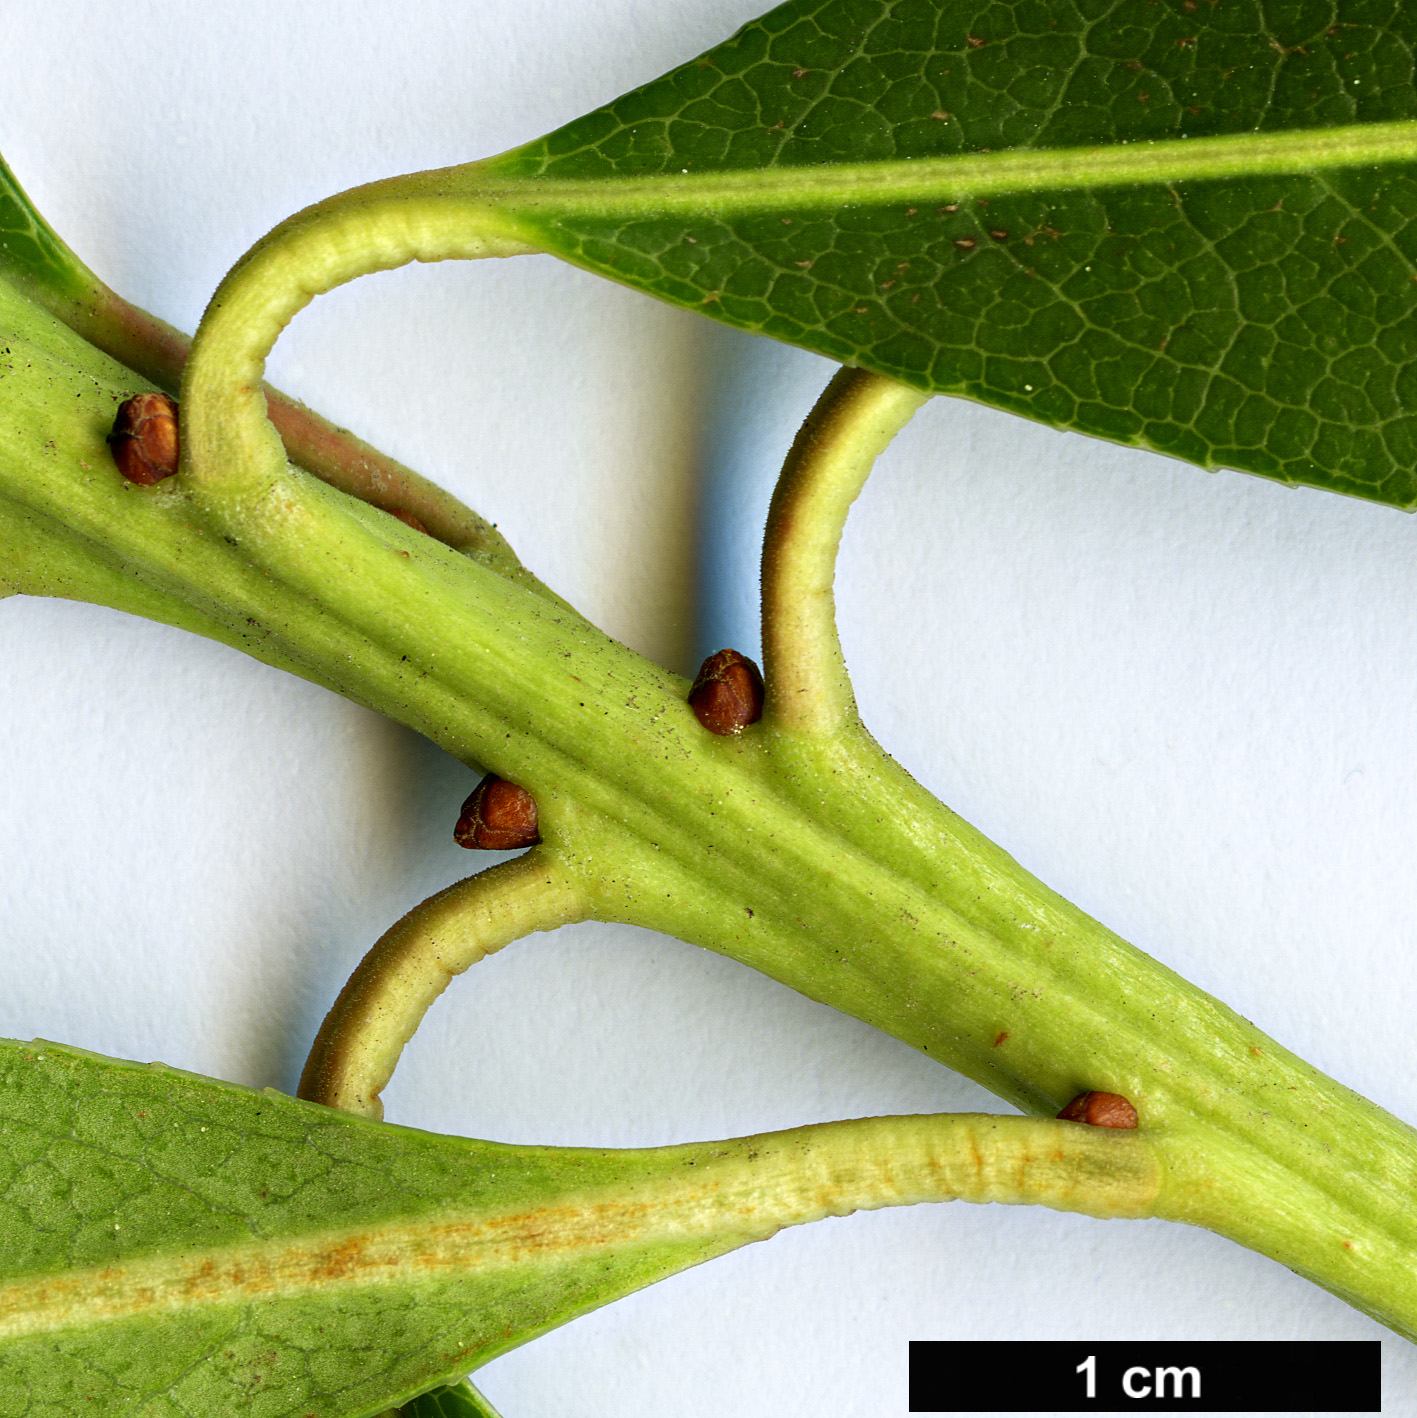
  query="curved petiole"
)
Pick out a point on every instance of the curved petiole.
point(53, 276)
point(808, 688)
point(377, 1012)
point(228, 444)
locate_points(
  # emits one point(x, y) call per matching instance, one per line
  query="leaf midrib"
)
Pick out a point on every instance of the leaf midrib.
point(440, 1247)
point(837, 185)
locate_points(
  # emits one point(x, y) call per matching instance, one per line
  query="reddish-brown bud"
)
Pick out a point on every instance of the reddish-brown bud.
point(144, 438)
point(1101, 1110)
point(498, 816)
point(409, 520)
point(728, 694)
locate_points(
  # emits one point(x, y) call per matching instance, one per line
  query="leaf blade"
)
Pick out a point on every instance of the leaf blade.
point(1265, 322)
point(192, 1247)
point(177, 1242)
point(454, 1401)
point(31, 252)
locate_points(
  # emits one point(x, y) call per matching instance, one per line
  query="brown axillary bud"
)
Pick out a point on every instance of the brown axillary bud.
point(728, 693)
point(408, 519)
point(144, 438)
point(1101, 1110)
point(498, 816)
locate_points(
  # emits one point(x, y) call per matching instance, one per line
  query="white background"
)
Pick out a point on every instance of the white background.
point(1184, 700)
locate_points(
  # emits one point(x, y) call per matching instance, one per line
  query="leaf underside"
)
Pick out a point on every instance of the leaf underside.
point(1267, 324)
point(106, 1165)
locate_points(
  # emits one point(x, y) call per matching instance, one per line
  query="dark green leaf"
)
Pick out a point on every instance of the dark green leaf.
point(31, 254)
point(452, 1401)
point(1266, 321)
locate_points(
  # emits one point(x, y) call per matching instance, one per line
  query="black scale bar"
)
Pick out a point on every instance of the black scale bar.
point(1121, 1377)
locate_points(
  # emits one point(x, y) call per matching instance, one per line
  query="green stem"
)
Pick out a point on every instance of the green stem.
point(815, 859)
point(56, 279)
point(412, 963)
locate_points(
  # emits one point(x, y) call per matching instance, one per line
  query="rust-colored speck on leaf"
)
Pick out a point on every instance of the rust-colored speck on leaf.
point(727, 694)
point(1100, 1110)
point(498, 816)
point(144, 438)
point(409, 520)
point(338, 1262)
